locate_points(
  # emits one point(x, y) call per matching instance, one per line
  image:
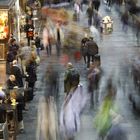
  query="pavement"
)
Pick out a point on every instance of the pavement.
point(116, 51)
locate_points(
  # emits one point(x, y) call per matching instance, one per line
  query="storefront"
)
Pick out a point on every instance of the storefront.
point(5, 30)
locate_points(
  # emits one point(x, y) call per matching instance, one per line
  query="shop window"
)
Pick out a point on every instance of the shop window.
point(3, 25)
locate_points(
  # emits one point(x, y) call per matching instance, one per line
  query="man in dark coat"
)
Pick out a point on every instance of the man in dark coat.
point(84, 47)
point(13, 47)
point(15, 70)
point(29, 29)
point(92, 50)
point(37, 43)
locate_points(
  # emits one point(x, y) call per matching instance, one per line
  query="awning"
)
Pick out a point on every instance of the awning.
point(6, 4)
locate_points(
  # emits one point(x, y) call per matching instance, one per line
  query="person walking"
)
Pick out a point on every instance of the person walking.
point(72, 78)
point(71, 111)
point(52, 81)
point(77, 10)
point(59, 38)
point(89, 13)
point(29, 29)
point(46, 40)
point(124, 19)
point(94, 74)
point(37, 43)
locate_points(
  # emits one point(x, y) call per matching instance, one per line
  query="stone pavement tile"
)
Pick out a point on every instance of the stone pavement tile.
point(88, 134)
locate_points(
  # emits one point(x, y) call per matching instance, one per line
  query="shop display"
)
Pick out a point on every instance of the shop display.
point(3, 25)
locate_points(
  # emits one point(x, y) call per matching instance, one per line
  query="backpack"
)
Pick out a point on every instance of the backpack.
point(73, 77)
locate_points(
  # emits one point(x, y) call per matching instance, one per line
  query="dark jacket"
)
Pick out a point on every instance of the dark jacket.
point(84, 48)
point(11, 84)
point(14, 48)
point(31, 71)
point(10, 56)
point(37, 42)
point(15, 70)
point(20, 106)
point(2, 113)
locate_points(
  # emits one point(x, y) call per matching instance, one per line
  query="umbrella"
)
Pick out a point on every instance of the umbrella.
point(57, 15)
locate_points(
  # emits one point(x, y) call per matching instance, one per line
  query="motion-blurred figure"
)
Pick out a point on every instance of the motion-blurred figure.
point(103, 119)
point(94, 74)
point(52, 81)
point(124, 19)
point(71, 111)
point(46, 40)
point(89, 13)
point(47, 124)
point(71, 78)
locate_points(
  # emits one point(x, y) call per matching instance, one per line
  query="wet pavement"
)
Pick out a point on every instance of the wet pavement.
point(116, 51)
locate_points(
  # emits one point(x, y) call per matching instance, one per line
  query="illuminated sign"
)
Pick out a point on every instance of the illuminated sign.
point(3, 24)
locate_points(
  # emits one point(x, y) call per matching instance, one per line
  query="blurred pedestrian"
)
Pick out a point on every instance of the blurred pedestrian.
point(89, 13)
point(77, 10)
point(124, 19)
point(93, 82)
point(71, 111)
point(46, 40)
point(47, 120)
point(103, 119)
point(84, 47)
point(138, 31)
point(37, 43)
point(59, 37)
point(71, 78)
point(52, 81)
point(92, 50)
point(29, 29)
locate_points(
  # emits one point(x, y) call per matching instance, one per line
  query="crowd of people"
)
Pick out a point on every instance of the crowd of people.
point(21, 63)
